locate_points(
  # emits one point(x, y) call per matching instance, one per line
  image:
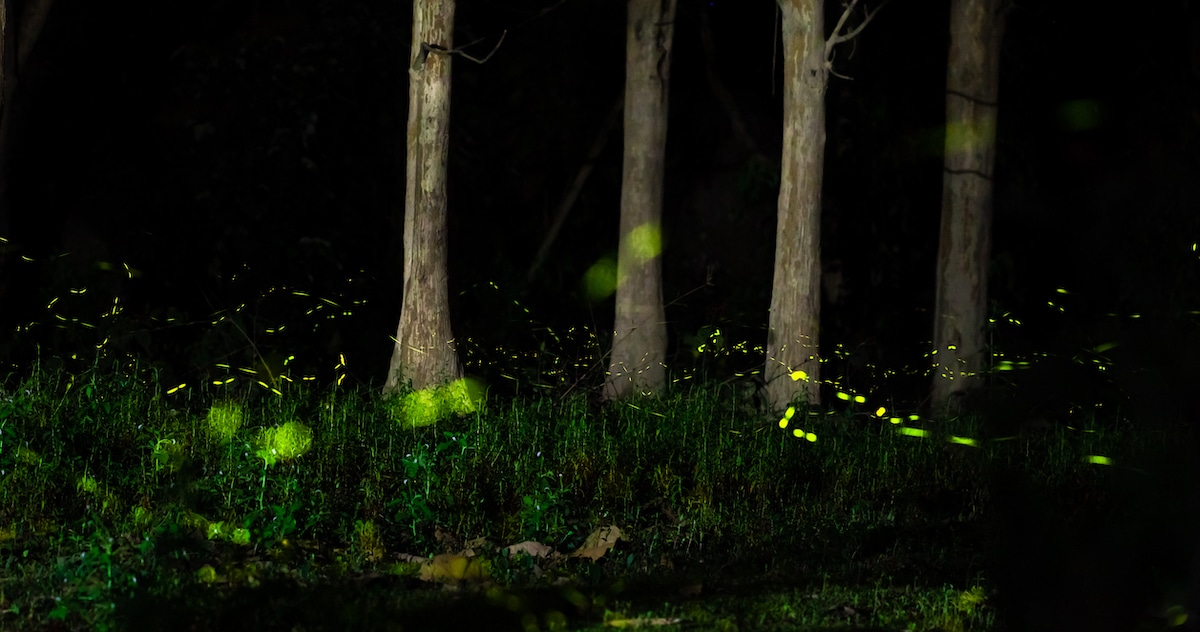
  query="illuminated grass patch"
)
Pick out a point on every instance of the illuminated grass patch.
point(286, 442)
point(224, 420)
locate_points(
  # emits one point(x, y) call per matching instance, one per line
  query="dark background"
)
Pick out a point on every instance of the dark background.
point(231, 152)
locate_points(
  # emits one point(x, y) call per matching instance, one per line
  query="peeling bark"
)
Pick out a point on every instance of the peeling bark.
point(793, 336)
point(424, 354)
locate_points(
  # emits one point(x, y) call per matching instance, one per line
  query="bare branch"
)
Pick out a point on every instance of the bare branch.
point(427, 48)
point(837, 38)
point(833, 38)
point(858, 29)
point(829, 67)
point(495, 48)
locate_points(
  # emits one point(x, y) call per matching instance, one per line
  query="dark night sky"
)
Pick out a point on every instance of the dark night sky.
point(197, 141)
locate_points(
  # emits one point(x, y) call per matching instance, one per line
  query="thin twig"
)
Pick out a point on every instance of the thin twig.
point(837, 38)
point(858, 29)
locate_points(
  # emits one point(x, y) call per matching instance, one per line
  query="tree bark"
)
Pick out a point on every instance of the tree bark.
point(964, 249)
point(793, 360)
point(637, 363)
point(425, 354)
point(17, 39)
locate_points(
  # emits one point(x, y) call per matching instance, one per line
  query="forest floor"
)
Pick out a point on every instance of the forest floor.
point(128, 505)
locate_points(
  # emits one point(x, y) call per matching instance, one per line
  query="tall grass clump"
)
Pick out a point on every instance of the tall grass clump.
point(123, 490)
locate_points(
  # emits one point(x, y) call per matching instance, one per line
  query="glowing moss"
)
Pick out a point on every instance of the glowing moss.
point(426, 406)
point(28, 456)
point(240, 536)
point(420, 408)
point(465, 396)
point(368, 541)
point(207, 574)
point(87, 484)
point(288, 441)
point(224, 420)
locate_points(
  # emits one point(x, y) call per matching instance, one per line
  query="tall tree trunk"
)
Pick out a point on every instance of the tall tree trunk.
point(972, 85)
point(637, 364)
point(17, 39)
point(793, 365)
point(425, 354)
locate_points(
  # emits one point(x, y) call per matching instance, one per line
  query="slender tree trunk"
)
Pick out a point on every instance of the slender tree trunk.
point(17, 39)
point(637, 364)
point(425, 354)
point(6, 85)
point(960, 311)
point(793, 365)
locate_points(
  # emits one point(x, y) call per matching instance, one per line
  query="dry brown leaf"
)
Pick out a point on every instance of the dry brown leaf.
point(535, 549)
point(453, 568)
point(600, 542)
point(641, 622)
point(478, 543)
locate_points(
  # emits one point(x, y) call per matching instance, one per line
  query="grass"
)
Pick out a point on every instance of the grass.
point(123, 505)
point(244, 499)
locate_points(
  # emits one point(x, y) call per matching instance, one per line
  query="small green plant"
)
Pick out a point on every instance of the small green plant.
point(542, 507)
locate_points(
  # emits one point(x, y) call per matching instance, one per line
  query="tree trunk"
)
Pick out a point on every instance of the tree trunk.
point(17, 39)
point(425, 354)
point(960, 311)
point(793, 365)
point(637, 364)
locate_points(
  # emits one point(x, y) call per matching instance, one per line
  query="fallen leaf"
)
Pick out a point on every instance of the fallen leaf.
point(640, 622)
point(535, 549)
point(600, 542)
point(452, 568)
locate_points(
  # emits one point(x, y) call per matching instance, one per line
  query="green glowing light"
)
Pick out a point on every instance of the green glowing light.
point(240, 536)
point(1080, 115)
point(224, 419)
point(427, 406)
point(87, 484)
point(645, 242)
point(962, 137)
point(807, 436)
point(285, 442)
point(600, 281)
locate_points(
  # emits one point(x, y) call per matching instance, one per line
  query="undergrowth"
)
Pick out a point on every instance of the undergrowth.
point(116, 490)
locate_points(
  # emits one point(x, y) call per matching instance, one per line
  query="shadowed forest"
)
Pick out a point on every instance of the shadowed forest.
point(202, 208)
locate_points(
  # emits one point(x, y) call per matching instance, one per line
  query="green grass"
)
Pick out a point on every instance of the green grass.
point(237, 493)
point(125, 505)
